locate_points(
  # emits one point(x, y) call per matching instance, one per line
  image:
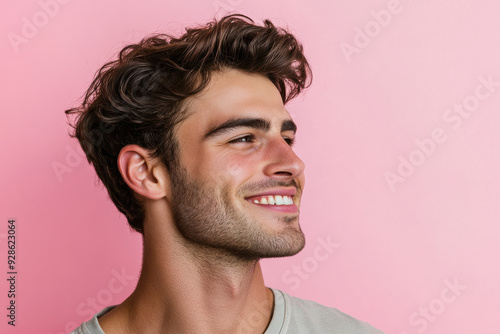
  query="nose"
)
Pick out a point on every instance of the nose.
point(282, 162)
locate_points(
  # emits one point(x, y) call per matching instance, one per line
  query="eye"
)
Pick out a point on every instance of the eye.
point(289, 141)
point(243, 139)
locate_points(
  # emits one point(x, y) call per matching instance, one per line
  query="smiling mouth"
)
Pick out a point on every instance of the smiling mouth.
point(272, 200)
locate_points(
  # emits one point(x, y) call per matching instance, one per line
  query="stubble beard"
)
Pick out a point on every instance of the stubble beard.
point(207, 219)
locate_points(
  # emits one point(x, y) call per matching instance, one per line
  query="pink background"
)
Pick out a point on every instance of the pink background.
point(394, 250)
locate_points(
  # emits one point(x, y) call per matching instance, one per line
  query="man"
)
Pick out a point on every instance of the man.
point(192, 140)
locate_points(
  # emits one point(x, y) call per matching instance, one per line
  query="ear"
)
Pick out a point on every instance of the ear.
point(144, 175)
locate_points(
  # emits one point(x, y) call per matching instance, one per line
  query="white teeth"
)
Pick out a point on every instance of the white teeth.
point(274, 200)
point(279, 200)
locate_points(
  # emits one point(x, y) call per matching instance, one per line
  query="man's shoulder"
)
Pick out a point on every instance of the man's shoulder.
point(312, 317)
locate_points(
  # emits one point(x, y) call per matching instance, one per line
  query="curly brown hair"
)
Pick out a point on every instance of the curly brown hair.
point(138, 98)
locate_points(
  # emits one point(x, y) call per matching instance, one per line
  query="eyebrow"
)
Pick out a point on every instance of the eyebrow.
point(288, 125)
point(255, 123)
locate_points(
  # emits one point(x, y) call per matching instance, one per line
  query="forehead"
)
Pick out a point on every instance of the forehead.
point(232, 94)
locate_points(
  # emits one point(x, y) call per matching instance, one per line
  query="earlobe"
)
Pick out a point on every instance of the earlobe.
point(141, 172)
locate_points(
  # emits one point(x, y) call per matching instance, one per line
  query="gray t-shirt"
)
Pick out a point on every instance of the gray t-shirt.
point(291, 315)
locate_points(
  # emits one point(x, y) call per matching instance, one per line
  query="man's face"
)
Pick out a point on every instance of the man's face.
point(239, 183)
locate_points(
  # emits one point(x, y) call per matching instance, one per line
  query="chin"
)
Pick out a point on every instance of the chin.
point(288, 243)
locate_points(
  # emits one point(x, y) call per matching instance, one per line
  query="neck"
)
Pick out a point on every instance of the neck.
point(184, 288)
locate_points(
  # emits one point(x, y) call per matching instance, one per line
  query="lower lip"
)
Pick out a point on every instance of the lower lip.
point(280, 208)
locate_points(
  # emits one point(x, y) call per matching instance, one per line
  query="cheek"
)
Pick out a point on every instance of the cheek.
point(223, 166)
point(236, 167)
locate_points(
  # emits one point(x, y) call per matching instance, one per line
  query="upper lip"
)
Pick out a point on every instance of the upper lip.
point(280, 191)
